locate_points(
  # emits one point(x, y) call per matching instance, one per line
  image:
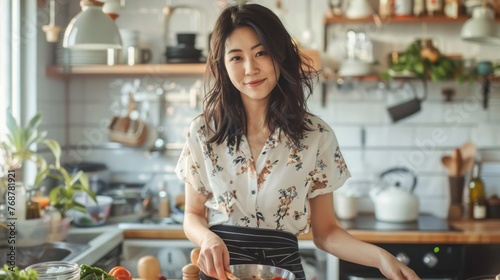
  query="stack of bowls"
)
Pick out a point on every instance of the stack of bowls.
point(65, 56)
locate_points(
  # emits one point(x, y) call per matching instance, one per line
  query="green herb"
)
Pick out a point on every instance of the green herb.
point(88, 272)
point(440, 68)
point(15, 274)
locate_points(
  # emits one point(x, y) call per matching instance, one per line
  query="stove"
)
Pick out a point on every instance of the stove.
point(428, 260)
point(424, 223)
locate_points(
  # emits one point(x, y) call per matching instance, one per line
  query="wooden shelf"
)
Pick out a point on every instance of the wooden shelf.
point(143, 69)
point(424, 19)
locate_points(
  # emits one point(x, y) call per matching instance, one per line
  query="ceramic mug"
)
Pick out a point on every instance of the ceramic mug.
point(137, 55)
point(346, 207)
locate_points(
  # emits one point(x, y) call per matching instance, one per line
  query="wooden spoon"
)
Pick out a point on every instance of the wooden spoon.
point(457, 158)
point(469, 154)
point(449, 164)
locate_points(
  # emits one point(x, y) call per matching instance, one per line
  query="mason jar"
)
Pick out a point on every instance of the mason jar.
point(56, 270)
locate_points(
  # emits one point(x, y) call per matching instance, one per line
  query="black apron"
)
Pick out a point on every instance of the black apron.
point(261, 246)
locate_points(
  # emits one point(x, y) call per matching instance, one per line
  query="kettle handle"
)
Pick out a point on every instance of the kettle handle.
point(402, 169)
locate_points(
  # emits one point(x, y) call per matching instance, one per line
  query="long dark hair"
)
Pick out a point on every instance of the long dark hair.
point(287, 104)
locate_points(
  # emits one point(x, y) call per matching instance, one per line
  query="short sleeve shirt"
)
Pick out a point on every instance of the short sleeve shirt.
point(272, 192)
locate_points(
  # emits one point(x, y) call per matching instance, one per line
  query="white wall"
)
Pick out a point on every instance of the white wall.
point(411, 142)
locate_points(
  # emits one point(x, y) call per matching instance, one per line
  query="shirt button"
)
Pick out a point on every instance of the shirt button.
point(253, 191)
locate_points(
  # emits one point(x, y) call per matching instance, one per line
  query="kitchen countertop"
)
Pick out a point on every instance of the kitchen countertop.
point(110, 236)
point(467, 232)
point(107, 238)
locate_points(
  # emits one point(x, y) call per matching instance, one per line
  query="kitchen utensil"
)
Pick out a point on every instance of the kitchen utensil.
point(159, 145)
point(259, 271)
point(449, 164)
point(469, 154)
point(394, 200)
point(127, 205)
point(458, 161)
point(129, 130)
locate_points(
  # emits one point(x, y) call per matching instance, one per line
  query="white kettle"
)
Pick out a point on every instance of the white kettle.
point(394, 200)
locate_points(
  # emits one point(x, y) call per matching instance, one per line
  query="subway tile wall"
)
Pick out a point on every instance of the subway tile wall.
point(78, 113)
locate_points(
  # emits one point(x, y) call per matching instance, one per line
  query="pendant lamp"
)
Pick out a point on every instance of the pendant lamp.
point(481, 28)
point(92, 29)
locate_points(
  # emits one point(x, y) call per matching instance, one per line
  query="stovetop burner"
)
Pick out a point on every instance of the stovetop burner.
point(425, 222)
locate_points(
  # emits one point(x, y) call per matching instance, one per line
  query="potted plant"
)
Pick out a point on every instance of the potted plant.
point(18, 147)
point(424, 61)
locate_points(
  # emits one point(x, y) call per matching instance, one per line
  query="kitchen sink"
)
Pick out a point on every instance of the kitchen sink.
point(56, 251)
point(82, 237)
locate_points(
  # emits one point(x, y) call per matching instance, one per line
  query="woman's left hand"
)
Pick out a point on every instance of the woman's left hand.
point(392, 268)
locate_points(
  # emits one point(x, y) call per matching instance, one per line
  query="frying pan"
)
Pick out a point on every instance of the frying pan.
point(260, 272)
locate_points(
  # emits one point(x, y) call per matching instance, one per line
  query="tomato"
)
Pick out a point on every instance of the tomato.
point(120, 273)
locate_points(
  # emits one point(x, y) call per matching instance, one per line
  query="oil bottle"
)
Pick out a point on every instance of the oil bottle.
point(477, 196)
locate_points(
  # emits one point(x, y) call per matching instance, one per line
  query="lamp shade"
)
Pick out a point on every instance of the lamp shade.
point(91, 29)
point(481, 28)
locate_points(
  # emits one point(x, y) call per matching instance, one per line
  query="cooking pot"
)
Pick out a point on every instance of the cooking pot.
point(128, 205)
point(260, 272)
point(393, 199)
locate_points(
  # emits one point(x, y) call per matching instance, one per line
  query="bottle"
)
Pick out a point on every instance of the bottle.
point(163, 204)
point(477, 206)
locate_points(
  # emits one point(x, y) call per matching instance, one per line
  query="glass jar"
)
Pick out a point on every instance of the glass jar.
point(56, 270)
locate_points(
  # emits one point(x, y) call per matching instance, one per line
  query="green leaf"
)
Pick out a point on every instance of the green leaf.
point(40, 176)
point(55, 148)
point(75, 178)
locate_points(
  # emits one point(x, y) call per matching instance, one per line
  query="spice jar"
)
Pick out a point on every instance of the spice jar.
point(56, 270)
point(434, 7)
point(493, 207)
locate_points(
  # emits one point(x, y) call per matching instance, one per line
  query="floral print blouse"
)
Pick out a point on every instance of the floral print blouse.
point(272, 192)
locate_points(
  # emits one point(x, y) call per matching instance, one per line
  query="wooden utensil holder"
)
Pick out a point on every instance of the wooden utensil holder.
point(456, 186)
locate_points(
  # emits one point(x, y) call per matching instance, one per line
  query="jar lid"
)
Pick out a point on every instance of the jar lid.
point(493, 200)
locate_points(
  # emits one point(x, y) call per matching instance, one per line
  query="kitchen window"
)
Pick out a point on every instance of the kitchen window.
point(18, 29)
point(5, 27)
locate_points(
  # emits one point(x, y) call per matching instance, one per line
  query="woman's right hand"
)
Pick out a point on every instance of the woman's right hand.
point(214, 257)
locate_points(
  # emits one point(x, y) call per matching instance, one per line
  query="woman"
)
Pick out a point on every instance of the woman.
point(259, 169)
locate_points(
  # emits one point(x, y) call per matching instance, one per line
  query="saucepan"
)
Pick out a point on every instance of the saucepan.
point(260, 272)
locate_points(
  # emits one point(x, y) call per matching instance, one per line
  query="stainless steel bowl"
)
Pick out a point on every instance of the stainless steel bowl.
point(260, 272)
